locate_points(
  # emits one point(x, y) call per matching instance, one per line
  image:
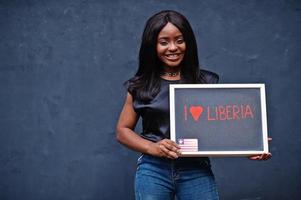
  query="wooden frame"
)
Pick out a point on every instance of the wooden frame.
point(174, 88)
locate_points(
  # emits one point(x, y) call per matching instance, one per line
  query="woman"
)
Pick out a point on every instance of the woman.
point(168, 55)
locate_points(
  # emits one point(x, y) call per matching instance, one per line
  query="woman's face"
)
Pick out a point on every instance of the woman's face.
point(170, 46)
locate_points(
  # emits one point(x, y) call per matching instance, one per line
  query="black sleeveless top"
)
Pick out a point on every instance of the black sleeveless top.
point(155, 114)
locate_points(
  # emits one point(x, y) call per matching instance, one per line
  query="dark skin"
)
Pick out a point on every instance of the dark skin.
point(170, 50)
point(125, 135)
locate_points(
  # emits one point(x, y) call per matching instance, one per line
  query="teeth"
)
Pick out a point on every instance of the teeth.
point(172, 56)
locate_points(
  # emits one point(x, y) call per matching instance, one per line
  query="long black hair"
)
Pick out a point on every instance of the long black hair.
point(145, 85)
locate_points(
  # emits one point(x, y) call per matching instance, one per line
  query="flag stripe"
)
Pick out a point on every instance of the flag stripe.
point(188, 144)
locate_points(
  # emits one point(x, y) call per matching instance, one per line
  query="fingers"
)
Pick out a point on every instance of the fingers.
point(168, 153)
point(171, 145)
point(264, 156)
point(253, 157)
point(169, 148)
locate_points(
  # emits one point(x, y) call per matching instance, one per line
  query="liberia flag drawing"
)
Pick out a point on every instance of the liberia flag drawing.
point(188, 144)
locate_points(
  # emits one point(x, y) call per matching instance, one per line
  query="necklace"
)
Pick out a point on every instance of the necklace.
point(171, 74)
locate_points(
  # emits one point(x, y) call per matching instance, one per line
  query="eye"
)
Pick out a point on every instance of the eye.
point(163, 43)
point(180, 41)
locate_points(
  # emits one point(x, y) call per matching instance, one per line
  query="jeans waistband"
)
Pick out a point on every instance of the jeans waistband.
point(180, 162)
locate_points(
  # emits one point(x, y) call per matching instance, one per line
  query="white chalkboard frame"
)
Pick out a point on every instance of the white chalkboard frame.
point(259, 86)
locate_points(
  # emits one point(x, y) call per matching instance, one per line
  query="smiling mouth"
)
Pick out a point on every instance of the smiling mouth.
point(173, 57)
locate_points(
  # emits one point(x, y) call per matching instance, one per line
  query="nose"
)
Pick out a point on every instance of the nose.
point(172, 47)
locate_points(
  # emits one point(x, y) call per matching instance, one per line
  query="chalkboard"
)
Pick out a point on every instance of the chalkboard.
point(219, 119)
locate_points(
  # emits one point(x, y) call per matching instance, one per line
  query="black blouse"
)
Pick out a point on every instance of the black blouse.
point(155, 114)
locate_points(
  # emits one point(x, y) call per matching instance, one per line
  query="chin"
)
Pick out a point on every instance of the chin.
point(172, 64)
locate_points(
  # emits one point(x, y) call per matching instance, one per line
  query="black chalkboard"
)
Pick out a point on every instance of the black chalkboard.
point(219, 119)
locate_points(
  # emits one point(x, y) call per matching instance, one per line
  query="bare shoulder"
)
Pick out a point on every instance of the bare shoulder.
point(128, 117)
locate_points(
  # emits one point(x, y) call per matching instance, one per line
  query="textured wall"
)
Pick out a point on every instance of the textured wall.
point(62, 65)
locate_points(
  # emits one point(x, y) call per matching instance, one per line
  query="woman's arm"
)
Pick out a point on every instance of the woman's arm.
point(125, 135)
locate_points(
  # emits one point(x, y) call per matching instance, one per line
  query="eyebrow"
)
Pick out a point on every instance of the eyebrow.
point(166, 37)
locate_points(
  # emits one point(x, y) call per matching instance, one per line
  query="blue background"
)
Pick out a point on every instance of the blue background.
point(62, 65)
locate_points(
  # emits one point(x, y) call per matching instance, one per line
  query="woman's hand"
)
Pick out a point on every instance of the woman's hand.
point(264, 156)
point(164, 148)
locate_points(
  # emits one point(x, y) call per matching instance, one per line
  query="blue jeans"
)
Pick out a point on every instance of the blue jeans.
point(166, 179)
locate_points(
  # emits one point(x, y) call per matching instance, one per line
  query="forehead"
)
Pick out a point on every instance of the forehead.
point(169, 30)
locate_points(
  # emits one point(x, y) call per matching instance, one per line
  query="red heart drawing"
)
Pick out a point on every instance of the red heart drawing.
point(196, 112)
